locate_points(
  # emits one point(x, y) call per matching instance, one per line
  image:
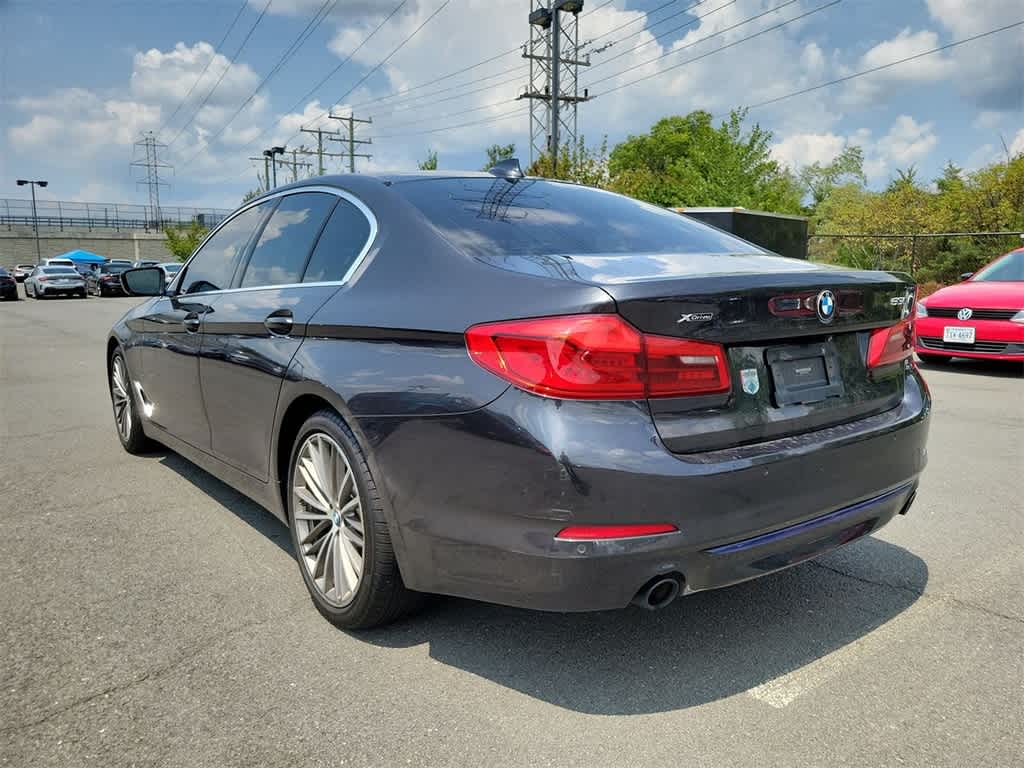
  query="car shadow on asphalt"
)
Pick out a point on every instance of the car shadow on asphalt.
point(972, 367)
point(244, 508)
point(701, 648)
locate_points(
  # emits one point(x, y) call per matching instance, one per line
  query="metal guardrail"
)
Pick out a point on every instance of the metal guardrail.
point(61, 214)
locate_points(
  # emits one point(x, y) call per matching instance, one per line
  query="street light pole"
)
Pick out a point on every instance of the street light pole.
point(35, 216)
point(271, 154)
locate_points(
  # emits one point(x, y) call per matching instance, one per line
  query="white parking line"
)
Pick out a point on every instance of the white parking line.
point(784, 690)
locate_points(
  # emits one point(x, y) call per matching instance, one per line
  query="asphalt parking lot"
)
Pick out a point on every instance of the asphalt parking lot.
point(151, 616)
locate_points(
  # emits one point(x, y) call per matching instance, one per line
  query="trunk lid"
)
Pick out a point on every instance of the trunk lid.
point(796, 341)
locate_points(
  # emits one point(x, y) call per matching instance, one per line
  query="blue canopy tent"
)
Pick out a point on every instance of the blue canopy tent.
point(83, 257)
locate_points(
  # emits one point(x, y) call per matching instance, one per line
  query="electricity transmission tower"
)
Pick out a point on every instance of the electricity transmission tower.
point(351, 139)
point(146, 155)
point(553, 52)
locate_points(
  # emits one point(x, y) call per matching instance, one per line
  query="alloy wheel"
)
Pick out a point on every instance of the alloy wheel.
point(119, 392)
point(328, 518)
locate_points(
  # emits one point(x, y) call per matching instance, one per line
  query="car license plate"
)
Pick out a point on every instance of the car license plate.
point(958, 335)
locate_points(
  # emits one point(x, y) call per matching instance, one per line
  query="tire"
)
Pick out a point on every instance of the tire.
point(379, 596)
point(933, 359)
point(132, 438)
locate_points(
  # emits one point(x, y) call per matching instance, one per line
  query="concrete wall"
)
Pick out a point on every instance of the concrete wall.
point(18, 245)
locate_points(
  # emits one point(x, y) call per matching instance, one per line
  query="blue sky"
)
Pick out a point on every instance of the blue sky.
point(81, 79)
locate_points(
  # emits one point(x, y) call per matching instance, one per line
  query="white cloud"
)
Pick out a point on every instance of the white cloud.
point(907, 142)
point(879, 85)
point(802, 149)
point(988, 72)
point(988, 120)
point(1017, 144)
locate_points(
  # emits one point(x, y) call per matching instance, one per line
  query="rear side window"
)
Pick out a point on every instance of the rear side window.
point(342, 240)
point(530, 217)
point(213, 266)
point(286, 240)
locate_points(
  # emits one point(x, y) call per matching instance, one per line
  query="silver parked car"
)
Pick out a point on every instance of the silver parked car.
point(54, 281)
point(22, 271)
point(171, 270)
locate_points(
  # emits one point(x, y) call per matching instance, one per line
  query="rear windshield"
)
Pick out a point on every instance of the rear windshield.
point(529, 217)
point(3, 272)
point(59, 271)
point(114, 268)
point(171, 268)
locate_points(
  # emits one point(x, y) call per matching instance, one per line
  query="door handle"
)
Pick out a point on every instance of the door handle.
point(192, 322)
point(280, 322)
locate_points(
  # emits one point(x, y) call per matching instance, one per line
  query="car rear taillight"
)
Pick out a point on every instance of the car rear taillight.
point(42, 279)
point(596, 357)
point(891, 345)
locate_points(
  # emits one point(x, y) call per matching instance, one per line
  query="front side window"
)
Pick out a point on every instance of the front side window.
point(213, 266)
point(286, 240)
point(342, 240)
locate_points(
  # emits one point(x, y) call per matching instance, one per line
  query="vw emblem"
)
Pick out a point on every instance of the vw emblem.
point(826, 305)
point(964, 314)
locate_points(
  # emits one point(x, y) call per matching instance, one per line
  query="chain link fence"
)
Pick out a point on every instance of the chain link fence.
point(62, 214)
point(939, 257)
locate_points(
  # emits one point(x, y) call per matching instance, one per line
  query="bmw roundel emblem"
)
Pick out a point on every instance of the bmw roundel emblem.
point(826, 305)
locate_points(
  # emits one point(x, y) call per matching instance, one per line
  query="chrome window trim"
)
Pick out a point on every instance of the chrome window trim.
point(343, 194)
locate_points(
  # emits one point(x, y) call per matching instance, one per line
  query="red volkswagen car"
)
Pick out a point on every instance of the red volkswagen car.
point(982, 317)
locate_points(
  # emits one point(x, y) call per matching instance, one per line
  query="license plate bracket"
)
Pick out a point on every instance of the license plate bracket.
point(805, 373)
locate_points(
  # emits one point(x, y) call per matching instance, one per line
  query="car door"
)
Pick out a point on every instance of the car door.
point(297, 263)
point(172, 331)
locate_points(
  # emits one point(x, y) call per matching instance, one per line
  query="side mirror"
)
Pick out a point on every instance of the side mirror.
point(144, 281)
point(966, 275)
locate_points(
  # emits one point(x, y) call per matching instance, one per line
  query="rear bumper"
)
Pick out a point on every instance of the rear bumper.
point(61, 291)
point(478, 498)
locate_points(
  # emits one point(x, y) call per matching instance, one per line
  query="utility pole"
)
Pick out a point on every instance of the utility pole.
point(294, 164)
point(320, 154)
point(352, 140)
point(147, 156)
point(553, 52)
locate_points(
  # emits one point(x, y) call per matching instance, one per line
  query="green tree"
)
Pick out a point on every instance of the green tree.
point(498, 152)
point(251, 194)
point(182, 241)
point(820, 180)
point(576, 162)
point(430, 164)
point(688, 161)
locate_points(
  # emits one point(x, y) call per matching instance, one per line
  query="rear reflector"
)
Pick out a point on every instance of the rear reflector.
point(597, 532)
point(891, 345)
point(596, 357)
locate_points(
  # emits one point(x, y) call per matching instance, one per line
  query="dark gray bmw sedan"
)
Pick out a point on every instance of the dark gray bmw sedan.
point(523, 391)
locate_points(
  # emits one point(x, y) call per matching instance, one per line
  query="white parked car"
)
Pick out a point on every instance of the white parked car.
point(54, 281)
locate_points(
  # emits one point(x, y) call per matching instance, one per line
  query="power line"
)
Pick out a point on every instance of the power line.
point(668, 32)
point(880, 67)
point(231, 63)
point(382, 62)
point(488, 60)
point(496, 118)
point(333, 72)
point(291, 50)
point(220, 45)
point(733, 44)
point(689, 45)
point(645, 17)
